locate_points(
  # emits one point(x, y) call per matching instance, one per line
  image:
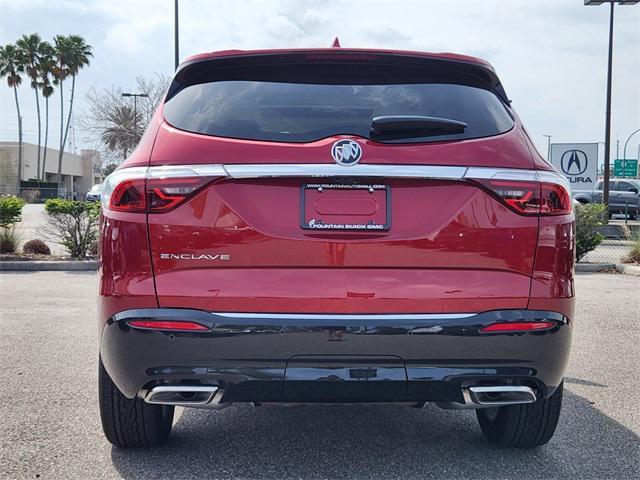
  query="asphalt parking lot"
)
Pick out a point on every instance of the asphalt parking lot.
point(50, 426)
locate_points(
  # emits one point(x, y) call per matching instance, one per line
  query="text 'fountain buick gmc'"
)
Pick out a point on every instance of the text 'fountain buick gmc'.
point(335, 226)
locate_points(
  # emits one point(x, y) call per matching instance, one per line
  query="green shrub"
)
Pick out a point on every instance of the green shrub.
point(10, 210)
point(588, 218)
point(9, 240)
point(73, 224)
point(37, 247)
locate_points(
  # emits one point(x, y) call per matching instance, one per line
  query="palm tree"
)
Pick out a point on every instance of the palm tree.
point(62, 53)
point(119, 134)
point(11, 65)
point(73, 54)
point(31, 46)
point(45, 69)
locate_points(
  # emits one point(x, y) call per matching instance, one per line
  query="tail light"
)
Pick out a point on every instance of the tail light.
point(529, 192)
point(155, 189)
point(555, 199)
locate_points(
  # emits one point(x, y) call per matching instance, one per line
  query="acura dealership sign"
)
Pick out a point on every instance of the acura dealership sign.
point(578, 162)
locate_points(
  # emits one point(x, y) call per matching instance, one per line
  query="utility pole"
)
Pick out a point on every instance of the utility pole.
point(176, 40)
point(607, 123)
point(607, 132)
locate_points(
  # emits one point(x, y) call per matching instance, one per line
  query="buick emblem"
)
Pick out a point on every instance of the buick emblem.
point(346, 152)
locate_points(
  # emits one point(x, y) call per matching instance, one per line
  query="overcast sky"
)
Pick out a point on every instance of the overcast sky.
point(550, 54)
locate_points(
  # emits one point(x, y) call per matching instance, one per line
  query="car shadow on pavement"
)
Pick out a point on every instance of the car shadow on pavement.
point(377, 442)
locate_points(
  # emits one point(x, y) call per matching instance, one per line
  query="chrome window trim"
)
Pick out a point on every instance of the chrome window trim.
point(181, 171)
point(501, 174)
point(315, 316)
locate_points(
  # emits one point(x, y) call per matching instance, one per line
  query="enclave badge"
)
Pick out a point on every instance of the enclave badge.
point(191, 256)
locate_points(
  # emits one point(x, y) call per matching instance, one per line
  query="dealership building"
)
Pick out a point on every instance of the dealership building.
point(79, 172)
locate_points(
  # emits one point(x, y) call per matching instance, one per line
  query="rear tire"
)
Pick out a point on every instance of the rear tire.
point(522, 426)
point(131, 422)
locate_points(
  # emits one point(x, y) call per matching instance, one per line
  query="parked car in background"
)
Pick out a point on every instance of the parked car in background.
point(93, 195)
point(624, 196)
point(335, 226)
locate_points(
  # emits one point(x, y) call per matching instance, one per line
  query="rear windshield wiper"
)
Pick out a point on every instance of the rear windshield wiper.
point(394, 127)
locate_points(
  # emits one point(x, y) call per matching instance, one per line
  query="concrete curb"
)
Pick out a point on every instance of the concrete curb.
point(594, 267)
point(627, 269)
point(41, 265)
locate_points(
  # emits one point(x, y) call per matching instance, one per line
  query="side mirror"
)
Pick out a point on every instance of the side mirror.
point(632, 189)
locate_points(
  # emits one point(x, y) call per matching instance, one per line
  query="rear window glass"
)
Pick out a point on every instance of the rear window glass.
point(304, 112)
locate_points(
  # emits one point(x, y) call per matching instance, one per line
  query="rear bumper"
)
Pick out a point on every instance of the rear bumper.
point(335, 358)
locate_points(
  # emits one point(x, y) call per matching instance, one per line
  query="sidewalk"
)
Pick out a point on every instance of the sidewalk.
point(33, 226)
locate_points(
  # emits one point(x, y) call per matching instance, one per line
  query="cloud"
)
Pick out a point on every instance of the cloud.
point(550, 55)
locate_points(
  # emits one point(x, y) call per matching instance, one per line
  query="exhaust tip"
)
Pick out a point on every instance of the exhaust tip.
point(501, 395)
point(184, 395)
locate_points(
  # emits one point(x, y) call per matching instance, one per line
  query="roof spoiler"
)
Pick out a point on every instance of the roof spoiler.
point(201, 70)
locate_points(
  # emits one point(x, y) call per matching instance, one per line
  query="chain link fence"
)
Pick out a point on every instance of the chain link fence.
point(620, 234)
point(40, 194)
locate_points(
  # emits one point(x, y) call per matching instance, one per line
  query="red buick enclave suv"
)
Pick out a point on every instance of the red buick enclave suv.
point(336, 226)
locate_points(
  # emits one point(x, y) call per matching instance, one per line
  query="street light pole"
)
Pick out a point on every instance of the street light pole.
point(607, 128)
point(135, 108)
point(624, 150)
point(548, 147)
point(624, 154)
point(607, 132)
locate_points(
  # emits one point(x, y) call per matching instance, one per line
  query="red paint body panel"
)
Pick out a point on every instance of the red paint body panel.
point(553, 276)
point(177, 147)
point(452, 246)
point(126, 276)
point(256, 224)
point(342, 290)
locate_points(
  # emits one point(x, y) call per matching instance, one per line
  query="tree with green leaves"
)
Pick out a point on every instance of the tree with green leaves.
point(31, 46)
point(45, 70)
point(11, 66)
point(74, 224)
point(72, 54)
